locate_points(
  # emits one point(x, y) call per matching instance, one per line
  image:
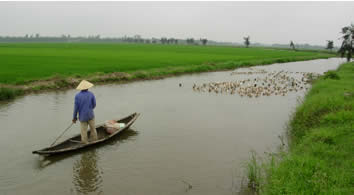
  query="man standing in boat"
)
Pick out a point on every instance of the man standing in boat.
point(85, 102)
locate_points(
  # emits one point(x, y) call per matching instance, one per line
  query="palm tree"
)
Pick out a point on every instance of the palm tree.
point(247, 41)
point(348, 40)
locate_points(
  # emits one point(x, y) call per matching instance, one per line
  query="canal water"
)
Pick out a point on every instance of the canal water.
point(184, 142)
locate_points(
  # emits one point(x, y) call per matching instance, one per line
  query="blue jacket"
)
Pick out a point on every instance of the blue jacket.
point(85, 102)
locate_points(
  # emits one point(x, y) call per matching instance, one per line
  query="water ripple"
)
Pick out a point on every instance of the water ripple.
point(86, 174)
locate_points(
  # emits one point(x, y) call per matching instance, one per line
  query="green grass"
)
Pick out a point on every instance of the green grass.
point(321, 155)
point(7, 93)
point(254, 172)
point(24, 62)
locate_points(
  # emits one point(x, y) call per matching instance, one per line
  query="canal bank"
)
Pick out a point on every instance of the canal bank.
point(320, 158)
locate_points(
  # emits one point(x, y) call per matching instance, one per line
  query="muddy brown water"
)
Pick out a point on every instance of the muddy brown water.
point(181, 137)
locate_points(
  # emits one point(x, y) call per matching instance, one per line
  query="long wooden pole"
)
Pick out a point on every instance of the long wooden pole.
point(62, 133)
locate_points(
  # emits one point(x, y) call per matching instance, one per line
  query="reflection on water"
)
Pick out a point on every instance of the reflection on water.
point(126, 135)
point(87, 176)
point(5, 105)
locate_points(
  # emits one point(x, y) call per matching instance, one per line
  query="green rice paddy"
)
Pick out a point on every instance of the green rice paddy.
point(24, 62)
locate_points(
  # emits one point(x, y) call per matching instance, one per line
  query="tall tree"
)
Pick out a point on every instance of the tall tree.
point(330, 45)
point(292, 45)
point(190, 41)
point(348, 40)
point(171, 41)
point(163, 40)
point(154, 40)
point(204, 41)
point(247, 41)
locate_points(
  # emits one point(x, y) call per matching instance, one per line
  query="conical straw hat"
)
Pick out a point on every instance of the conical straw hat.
point(84, 85)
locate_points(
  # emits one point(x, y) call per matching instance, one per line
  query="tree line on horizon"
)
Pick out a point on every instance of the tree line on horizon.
point(346, 48)
point(137, 39)
point(97, 38)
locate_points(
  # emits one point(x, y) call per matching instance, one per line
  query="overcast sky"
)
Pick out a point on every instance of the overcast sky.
point(264, 22)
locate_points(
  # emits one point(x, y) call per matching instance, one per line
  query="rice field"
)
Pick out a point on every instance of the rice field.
point(24, 62)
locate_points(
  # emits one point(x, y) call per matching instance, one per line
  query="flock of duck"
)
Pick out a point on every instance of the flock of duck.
point(274, 83)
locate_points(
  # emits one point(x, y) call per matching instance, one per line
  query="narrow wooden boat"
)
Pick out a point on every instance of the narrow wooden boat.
point(74, 143)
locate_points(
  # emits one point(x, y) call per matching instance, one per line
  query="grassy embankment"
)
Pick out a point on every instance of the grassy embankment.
point(320, 159)
point(59, 65)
